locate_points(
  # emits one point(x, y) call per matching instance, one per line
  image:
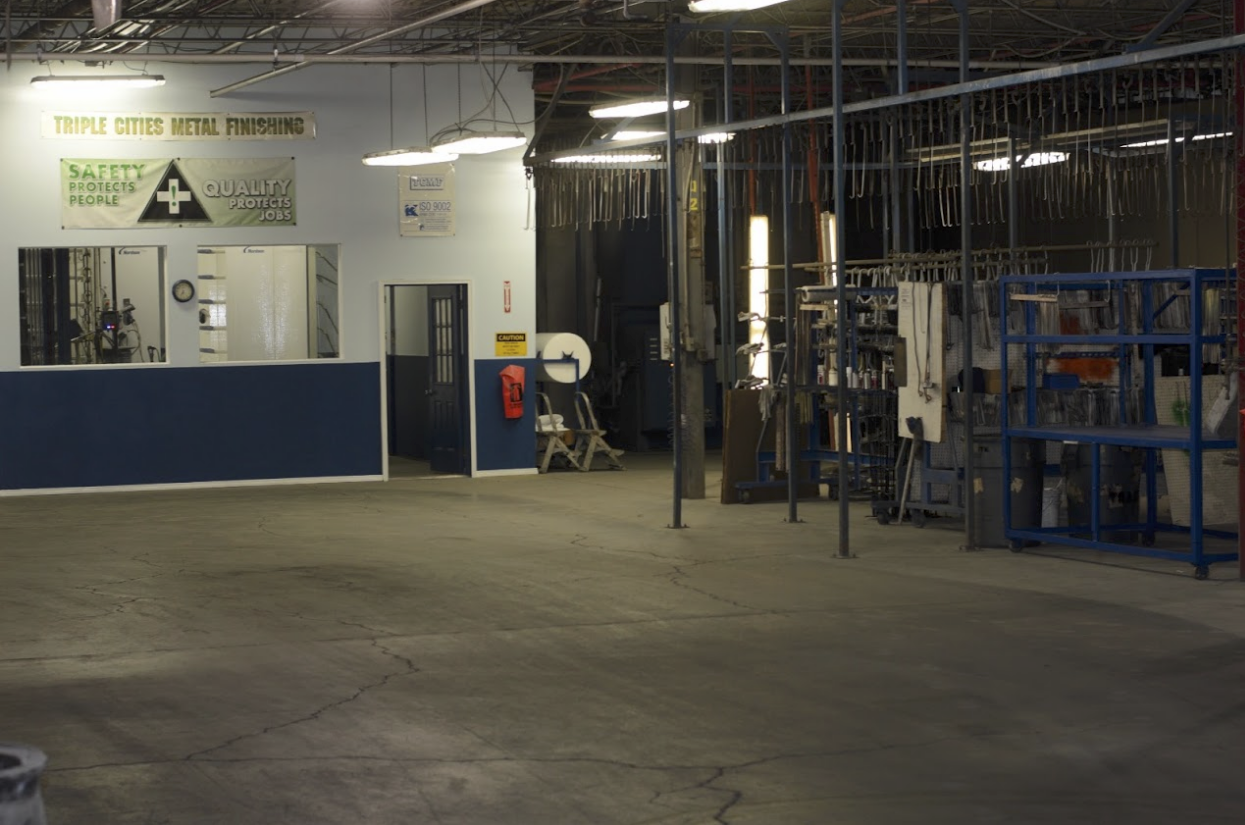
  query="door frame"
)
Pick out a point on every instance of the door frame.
point(383, 315)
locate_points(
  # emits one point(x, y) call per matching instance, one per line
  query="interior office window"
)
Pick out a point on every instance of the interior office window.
point(91, 305)
point(268, 303)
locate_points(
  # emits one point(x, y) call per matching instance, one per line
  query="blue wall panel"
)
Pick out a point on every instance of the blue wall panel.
point(504, 443)
point(158, 425)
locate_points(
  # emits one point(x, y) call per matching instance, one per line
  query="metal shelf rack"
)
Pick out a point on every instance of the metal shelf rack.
point(1146, 434)
point(872, 454)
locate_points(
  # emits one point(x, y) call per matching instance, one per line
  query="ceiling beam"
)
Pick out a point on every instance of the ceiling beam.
point(1171, 18)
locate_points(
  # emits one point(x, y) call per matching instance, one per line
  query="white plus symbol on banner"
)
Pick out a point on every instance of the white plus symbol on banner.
point(174, 196)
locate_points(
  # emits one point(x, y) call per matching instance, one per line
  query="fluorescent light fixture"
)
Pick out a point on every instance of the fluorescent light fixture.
point(1146, 144)
point(758, 285)
point(636, 134)
point(412, 156)
point(1035, 159)
point(97, 81)
point(716, 137)
point(709, 6)
point(637, 108)
point(606, 157)
point(480, 143)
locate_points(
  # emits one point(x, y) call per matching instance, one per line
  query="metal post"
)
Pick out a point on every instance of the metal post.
point(1238, 20)
point(1113, 222)
point(1173, 194)
point(840, 309)
point(901, 36)
point(672, 281)
point(788, 300)
point(726, 271)
point(966, 280)
point(1013, 217)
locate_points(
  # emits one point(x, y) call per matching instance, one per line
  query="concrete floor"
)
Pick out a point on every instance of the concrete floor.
point(544, 650)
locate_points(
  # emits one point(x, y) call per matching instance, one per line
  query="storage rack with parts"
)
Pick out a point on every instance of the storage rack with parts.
point(1137, 299)
point(871, 393)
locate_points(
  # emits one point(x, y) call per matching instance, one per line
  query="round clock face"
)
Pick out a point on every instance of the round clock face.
point(183, 291)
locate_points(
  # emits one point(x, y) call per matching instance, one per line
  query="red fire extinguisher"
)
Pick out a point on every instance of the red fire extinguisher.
point(512, 379)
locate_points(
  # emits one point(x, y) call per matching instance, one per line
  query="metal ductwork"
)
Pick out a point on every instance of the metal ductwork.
point(106, 12)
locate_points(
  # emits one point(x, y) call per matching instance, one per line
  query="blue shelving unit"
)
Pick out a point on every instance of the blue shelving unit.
point(1145, 434)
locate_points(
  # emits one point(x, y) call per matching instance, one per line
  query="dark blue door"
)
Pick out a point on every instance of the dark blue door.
point(447, 393)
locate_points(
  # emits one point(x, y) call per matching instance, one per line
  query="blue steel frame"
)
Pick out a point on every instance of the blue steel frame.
point(1148, 435)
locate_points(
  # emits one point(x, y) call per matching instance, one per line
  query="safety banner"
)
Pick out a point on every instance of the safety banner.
point(153, 193)
point(202, 126)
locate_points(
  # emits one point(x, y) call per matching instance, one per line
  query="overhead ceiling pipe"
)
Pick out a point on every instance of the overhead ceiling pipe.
point(302, 60)
point(421, 23)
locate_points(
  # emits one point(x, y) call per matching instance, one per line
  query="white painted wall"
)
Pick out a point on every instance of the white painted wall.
point(339, 201)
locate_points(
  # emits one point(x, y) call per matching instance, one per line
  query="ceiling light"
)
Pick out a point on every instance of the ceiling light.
point(608, 158)
point(636, 134)
point(708, 6)
point(637, 108)
point(716, 137)
point(1147, 144)
point(413, 156)
point(97, 81)
point(1033, 159)
point(479, 143)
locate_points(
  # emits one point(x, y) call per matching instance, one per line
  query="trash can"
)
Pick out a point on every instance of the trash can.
point(1119, 488)
point(20, 769)
point(1024, 487)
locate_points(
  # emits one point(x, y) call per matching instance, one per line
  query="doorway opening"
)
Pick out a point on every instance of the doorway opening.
point(426, 380)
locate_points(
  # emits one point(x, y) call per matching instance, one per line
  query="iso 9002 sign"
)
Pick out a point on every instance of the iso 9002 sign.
point(426, 201)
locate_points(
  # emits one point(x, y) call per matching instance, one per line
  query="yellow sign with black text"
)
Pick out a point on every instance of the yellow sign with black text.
point(511, 344)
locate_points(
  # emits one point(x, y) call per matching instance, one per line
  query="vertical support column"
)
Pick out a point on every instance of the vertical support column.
point(966, 280)
point(726, 246)
point(788, 298)
point(840, 302)
point(1173, 194)
point(901, 37)
point(673, 286)
point(1238, 27)
point(1113, 222)
point(1013, 214)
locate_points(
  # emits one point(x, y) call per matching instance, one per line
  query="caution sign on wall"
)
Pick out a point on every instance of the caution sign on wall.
point(125, 194)
point(511, 344)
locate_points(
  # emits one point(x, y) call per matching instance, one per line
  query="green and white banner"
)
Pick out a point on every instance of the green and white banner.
point(152, 193)
point(203, 126)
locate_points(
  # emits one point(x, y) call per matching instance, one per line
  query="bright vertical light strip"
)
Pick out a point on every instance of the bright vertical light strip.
point(830, 247)
point(758, 283)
